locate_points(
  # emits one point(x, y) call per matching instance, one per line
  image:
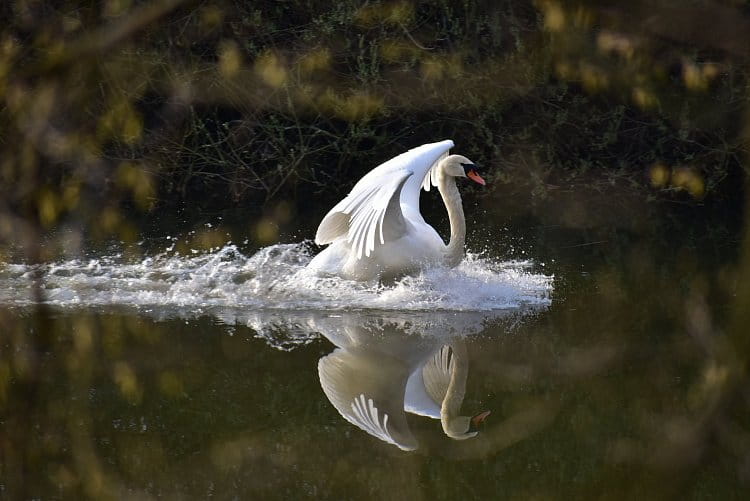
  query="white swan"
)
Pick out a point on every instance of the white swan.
point(377, 231)
point(381, 370)
point(373, 391)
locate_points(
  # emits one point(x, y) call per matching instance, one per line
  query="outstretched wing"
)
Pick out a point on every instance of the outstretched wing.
point(372, 212)
point(366, 213)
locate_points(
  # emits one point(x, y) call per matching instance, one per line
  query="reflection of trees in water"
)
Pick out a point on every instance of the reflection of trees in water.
point(125, 401)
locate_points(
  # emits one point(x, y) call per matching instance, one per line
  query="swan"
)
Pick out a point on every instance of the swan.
point(379, 372)
point(374, 391)
point(377, 231)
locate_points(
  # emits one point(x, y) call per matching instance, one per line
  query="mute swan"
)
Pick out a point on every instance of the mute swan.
point(374, 391)
point(379, 372)
point(377, 231)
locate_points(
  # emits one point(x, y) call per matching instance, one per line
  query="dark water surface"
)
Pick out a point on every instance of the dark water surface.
point(601, 365)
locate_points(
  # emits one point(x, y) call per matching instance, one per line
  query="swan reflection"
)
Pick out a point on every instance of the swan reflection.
point(373, 389)
point(387, 365)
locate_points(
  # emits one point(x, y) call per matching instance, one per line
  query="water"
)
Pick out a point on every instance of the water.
point(272, 278)
point(232, 373)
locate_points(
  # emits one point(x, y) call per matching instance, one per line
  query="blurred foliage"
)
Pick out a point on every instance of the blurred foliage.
point(136, 105)
point(116, 112)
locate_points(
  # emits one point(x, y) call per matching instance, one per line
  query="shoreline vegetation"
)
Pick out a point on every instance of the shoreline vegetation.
point(126, 108)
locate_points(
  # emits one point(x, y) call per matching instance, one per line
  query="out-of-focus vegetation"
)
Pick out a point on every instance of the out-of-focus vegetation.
point(119, 112)
point(121, 106)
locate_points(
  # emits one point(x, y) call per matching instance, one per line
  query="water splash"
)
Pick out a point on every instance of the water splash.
point(274, 278)
point(285, 304)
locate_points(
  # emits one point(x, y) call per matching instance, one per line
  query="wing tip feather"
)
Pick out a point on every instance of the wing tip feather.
point(333, 226)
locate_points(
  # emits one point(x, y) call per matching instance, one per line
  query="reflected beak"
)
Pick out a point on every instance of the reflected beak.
point(472, 174)
point(479, 418)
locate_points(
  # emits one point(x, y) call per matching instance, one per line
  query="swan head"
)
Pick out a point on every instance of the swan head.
point(463, 427)
point(458, 428)
point(460, 166)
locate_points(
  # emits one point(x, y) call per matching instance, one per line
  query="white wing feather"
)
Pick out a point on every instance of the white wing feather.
point(431, 178)
point(373, 207)
point(436, 373)
point(365, 415)
point(340, 386)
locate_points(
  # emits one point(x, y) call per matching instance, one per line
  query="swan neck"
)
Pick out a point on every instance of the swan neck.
point(454, 425)
point(452, 200)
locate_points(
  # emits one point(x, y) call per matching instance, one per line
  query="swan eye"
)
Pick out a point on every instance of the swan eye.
point(470, 167)
point(471, 172)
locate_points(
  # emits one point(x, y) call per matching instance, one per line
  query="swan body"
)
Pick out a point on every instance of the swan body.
point(377, 374)
point(377, 231)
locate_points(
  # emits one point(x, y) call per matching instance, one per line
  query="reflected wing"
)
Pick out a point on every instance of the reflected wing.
point(428, 384)
point(416, 399)
point(365, 415)
point(372, 212)
point(437, 373)
point(365, 397)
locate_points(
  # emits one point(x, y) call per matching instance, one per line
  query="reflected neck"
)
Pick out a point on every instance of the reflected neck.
point(455, 425)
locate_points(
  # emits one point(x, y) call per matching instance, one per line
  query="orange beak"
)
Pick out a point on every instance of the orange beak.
point(479, 418)
point(472, 174)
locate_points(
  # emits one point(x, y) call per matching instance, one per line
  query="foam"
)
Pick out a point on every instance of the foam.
point(284, 303)
point(273, 278)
